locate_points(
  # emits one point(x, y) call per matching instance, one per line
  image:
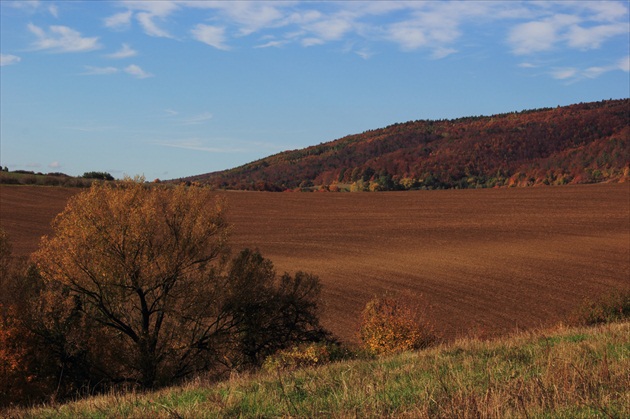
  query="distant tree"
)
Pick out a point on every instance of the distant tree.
point(98, 175)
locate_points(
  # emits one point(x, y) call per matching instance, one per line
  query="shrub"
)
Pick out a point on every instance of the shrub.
point(305, 355)
point(30, 180)
point(608, 308)
point(389, 326)
point(8, 179)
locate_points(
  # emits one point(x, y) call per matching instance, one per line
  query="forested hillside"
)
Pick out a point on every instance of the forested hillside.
point(582, 143)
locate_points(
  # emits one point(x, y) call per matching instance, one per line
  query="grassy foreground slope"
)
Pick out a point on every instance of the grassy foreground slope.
point(565, 372)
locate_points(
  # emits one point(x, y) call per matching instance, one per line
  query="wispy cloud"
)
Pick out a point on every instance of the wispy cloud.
point(8, 59)
point(133, 70)
point(99, 71)
point(197, 144)
point(575, 25)
point(147, 22)
point(593, 37)
point(62, 39)
point(137, 72)
point(120, 20)
point(596, 71)
point(364, 53)
point(538, 36)
point(197, 119)
point(210, 35)
point(146, 13)
point(574, 74)
point(564, 73)
point(54, 165)
point(53, 10)
point(247, 16)
point(271, 44)
point(624, 64)
point(124, 52)
point(436, 27)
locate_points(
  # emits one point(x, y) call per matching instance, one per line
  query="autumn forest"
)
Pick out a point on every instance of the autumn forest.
point(581, 143)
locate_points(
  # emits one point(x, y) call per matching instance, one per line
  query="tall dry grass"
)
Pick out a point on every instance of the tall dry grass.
point(566, 372)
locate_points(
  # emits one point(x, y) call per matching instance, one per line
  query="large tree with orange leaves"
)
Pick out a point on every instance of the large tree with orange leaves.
point(142, 265)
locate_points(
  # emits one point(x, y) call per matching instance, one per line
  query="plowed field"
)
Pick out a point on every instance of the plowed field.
point(483, 261)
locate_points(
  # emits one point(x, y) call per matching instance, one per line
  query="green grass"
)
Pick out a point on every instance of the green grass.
point(565, 373)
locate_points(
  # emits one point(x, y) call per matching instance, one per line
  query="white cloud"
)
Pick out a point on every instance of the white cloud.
point(8, 59)
point(593, 37)
point(601, 11)
point(120, 20)
point(271, 44)
point(146, 12)
point(364, 53)
point(580, 25)
point(54, 165)
point(247, 16)
point(149, 26)
point(161, 8)
point(210, 35)
point(407, 35)
point(594, 72)
point(99, 71)
point(330, 29)
point(441, 52)
point(309, 42)
point(564, 73)
point(624, 64)
point(62, 39)
point(532, 37)
point(137, 72)
point(124, 52)
point(28, 5)
point(575, 74)
point(436, 26)
point(54, 11)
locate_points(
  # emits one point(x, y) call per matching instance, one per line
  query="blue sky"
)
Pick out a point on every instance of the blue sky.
point(176, 88)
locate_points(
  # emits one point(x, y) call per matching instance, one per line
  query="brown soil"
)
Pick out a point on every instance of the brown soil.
point(482, 262)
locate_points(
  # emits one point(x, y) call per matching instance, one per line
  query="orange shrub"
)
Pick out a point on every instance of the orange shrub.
point(389, 326)
point(304, 355)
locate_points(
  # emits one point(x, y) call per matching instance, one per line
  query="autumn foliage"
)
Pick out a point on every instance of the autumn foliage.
point(582, 143)
point(137, 288)
point(389, 326)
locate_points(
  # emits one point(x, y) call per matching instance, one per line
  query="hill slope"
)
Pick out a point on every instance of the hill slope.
point(577, 373)
point(583, 143)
